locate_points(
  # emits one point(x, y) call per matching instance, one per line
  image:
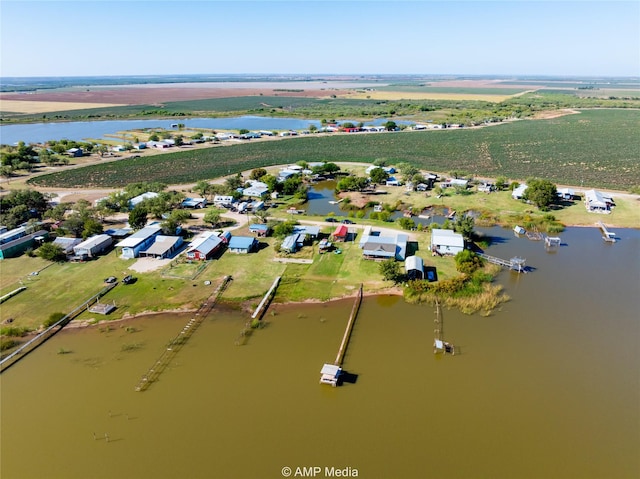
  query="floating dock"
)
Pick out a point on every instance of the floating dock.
point(608, 236)
point(330, 373)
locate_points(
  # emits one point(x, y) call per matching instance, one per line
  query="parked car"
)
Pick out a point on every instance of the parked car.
point(111, 279)
point(347, 222)
point(331, 220)
point(127, 279)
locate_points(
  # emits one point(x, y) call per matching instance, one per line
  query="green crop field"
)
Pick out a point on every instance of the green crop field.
point(597, 148)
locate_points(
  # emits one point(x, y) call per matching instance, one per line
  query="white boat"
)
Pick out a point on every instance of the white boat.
point(519, 230)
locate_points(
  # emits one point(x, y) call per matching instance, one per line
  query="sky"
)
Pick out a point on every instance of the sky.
point(508, 37)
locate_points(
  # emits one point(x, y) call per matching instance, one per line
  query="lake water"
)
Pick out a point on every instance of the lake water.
point(82, 130)
point(547, 387)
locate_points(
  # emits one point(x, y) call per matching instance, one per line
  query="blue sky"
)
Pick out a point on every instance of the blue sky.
point(77, 38)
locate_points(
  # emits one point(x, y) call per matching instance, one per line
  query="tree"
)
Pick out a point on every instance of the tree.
point(283, 228)
point(138, 217)
point(378, 175)
point(91, 227)
point(390, 125)
point(501, 182)
point(212, 216)
point(406, 223)
point(257, 173)
point(391, 271)
point(467, 261)
point(464, 225)
point(202, 188)
point(541, 193)
point(51, 252)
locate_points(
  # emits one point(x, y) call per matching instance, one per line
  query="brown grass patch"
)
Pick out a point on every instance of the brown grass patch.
point(30, 106)
point(403, 95)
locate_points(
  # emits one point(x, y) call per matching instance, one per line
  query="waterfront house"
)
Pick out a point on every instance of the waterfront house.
point(92, 246)
point(446, 242)
point(453, 182)
point(75, 152)
point(596, 202)
point(242, 244)
point(162, 247)
point(377, 247)
point(256, 190)
point(138, 241)
point(566, 193)
point(204, 246)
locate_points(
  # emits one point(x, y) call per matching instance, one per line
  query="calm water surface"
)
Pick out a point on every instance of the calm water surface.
point(547, 387)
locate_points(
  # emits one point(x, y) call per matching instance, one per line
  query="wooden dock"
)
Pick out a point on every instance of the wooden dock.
point(180, 340)
point(347, 332)
point(515, 263)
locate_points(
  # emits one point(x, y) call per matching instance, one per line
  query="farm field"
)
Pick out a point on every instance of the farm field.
point(571, 150)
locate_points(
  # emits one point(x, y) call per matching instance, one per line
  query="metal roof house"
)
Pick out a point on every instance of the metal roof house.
point(67, 244)
point(204, 246)
point(93, 246)
point(195, 203)
point(312, 231)
point(21, 244)
point(414, 267)
point(446, 242)
point(13, 234)
point(379, 247)
point(596, 202)
point(163, 247)
point(259, 229)
point(140, 198)
point(293, 243)
point(242, 244)
point(138, 241)
point(222, 200)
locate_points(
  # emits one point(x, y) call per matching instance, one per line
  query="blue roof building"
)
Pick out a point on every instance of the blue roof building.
point(242, 244)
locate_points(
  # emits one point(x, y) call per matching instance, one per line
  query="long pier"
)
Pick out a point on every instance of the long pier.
point(180, 340)
point(347, 332)
point(267, 299)
point(36, 341)
point(516, 264)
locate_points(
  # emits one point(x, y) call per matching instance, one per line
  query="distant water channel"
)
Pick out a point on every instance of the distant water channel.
point(547, 387)
point(82, 130)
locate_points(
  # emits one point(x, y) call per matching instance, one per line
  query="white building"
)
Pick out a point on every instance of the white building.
point(446, 242)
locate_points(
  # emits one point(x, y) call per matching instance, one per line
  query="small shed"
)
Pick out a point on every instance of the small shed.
point(414, 267)
point(329, 374)
point(341, 232)
point(242, 244)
